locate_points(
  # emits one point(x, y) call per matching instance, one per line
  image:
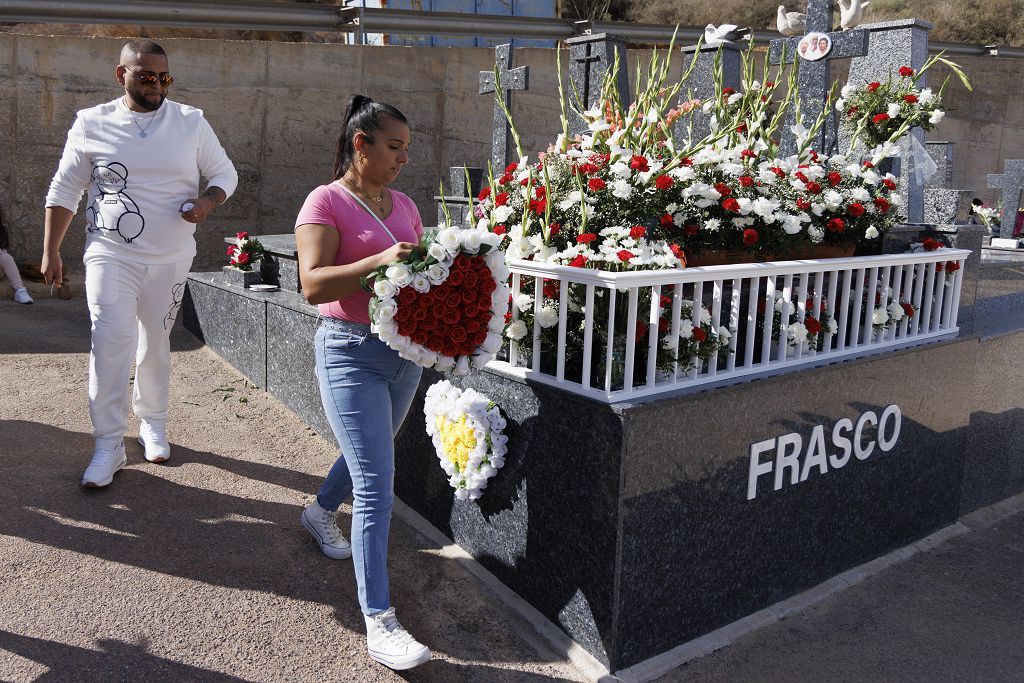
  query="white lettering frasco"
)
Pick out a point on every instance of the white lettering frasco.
point(789, 455)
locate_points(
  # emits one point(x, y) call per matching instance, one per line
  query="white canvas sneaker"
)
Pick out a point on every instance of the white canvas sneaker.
point(323, 526)
point(106, 461)
point(153, 436)
point(390, 644)
point(22, 296)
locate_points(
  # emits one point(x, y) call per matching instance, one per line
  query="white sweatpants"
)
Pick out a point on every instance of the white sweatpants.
point(132, 307)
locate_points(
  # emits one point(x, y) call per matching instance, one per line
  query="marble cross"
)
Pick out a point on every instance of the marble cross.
point(1011, 182)
point(511, 79)
point(814, 78)
point(590, 58)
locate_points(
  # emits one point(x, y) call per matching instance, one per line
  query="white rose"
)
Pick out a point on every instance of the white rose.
point(437, 251)
point(400, 274)
point(386, 311)
point(491, 344)
point(490, 239)
point(471, 240)
point(449, 239)
point(421, 283)
point(444, 364)
point(384, 289)
point(516, 331)
point(461, 366)
point(437, 274)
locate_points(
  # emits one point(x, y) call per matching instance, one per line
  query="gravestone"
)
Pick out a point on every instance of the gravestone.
point(590, 58)
point(1010, 182)
point(814, 76)
point(511, 79)
point(944, 204)
point(894, 44)
point(701, 84)
point(457, 198)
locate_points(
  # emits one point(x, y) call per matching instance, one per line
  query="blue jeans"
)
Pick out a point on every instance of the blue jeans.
point(366, 389)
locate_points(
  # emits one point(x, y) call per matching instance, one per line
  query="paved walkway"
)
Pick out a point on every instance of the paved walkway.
point(197, 570)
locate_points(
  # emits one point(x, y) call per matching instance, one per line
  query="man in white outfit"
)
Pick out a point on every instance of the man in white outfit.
point(140, 157)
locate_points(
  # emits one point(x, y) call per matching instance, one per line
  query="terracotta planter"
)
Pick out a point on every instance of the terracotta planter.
point(727, 256)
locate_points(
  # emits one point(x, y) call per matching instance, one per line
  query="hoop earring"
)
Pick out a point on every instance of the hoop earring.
point(362, 158)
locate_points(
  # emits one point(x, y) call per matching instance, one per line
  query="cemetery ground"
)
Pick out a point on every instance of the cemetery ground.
point(198, 569)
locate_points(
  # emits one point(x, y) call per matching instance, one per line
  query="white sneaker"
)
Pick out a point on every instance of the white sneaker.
point(153, 436)
point(322, 525)
point(22, 296)
point(106, 461)
point(390, 644)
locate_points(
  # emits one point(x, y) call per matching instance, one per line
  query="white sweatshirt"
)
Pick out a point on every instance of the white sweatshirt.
point(139, 168)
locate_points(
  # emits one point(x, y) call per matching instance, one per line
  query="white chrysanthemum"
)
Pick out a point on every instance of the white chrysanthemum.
point(893, 110)
point(516, 331)
point(547, 316)
point(936, 116)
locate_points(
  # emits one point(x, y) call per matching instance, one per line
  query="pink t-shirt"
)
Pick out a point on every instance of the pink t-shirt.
point(359, 236)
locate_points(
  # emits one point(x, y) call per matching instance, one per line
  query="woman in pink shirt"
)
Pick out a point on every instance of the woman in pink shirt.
point(345, 230)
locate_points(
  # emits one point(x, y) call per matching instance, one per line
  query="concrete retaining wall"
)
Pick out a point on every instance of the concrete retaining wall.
point(277, 108)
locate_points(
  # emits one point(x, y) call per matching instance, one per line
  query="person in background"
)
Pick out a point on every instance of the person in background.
point(345, 230)
point(9, 269)
point(141, 157)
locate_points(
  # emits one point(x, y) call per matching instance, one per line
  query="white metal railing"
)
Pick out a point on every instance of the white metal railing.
point(622, 336)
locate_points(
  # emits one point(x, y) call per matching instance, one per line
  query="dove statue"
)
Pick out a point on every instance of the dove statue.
point(850, 12)
point(726, 33)
point(790, 23)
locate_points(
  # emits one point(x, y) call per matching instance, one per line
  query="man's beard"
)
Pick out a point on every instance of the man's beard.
point(139, 98)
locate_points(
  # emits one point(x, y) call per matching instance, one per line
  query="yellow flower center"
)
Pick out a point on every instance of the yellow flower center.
point(458, 440)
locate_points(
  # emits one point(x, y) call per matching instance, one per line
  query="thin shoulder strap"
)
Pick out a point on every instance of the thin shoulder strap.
point(375, 216)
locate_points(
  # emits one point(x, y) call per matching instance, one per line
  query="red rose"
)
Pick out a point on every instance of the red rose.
point(880, 118)
point(812, 324)
point(484, 194)
point(479, 338)
point(435, 343)
point(952, 266)
point(458, 334)
point(906, 71)
point(837, 225)
point(882, 204)
point(750, 237)
point(625, 254)
point(471, 326)
point(406, 295)
point(499, 230)
point(429, 324)
point(856, 209)
point(242, 257)
point(873, 86)
point(579, 262)
point(468, 296)
point(488, 286)
point(889, 183)
point(700, 335)
point(641, 329)
point(664, 182)
point(242, 235)
point(666, 221)
point(586, 238)
point(723, 189)
point(595, 184)
point(910, 98)
point(501, 199)
point(461, 262)
point(453, 300)
point(813, 188)
point(471, 311)
point(456, 277)
point(731, 204)
point(419, 313)
point(407, 328)
point(908, 309)
point(232, 249)
point(834, 178)
point(746, 181)
point(639, 163)
point(402, 314)
point(452, 315)
point(803, 203)
point(637, 231)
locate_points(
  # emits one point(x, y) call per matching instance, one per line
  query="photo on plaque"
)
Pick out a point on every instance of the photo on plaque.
point(814, 46)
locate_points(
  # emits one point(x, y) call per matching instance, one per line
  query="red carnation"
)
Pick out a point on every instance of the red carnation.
point(588, 169)
point(834, 178)
point(748, 154)
point(524, 182)
point(910, 98)
point(595, 184)
point(837, 225)
point(889, 183)
point(873, 86)
point(750, 237)
point(700, 335)
point(906, 71)
point(931, 244)
point(554, 229)
point(232, 249)
point(639, 163)
point(505, 179)
point(803, 203)
point(242, 235)
point(812, 324)
point(537, 206)
point(501, 199)
point(952, 266)
point(856, 209)
point(813, 187)
point(484, 194)
point(579, 262)
point(678, 252)
point(728, 91)
point(778, 171)
point(586, 238)
point(512, 168)
point(723, 189)
point(687, 161)
point(499, 230)
point(242, 257)
point(666, 220)
point(746, 181)
point(868, 164)
point(880, 118)
point(540, 191)
point(882, 204)
point(625, 254)
point(637, 231)
point(664, 182)
point(731, 204)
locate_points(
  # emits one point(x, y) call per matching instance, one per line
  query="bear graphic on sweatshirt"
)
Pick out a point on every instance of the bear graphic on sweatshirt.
point(120, 213)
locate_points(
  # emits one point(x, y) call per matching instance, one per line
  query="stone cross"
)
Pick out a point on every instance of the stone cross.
point(1011, 182)
point(590, 58)
point(814, 79)
point(702, 83)
point(903, 42)
point(511, 79)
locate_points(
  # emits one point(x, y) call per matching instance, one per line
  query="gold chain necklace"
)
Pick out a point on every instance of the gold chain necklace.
point(379, 199)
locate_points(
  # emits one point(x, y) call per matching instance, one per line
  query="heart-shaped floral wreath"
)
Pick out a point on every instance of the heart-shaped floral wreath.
point(444, 308)
point(466, 428)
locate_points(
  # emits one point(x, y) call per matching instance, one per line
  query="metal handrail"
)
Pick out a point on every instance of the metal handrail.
point(279, 16)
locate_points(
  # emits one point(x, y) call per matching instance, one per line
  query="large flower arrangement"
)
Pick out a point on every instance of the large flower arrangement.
point(444, 308)
point(244, 252)
point(879, 112)
point(466, 428)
